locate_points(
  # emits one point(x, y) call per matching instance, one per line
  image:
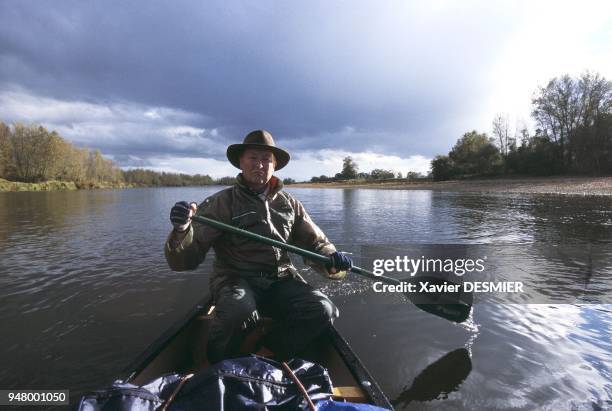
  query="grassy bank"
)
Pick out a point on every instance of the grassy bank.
point(537, 185)
point(54, 185)
point(6, 185)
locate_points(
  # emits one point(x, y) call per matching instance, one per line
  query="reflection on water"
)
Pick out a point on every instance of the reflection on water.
point(84, 288)
point(440, 378)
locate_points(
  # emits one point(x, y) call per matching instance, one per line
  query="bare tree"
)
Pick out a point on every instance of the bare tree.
point(501, 133)
point(595, 98)
point(556, 112)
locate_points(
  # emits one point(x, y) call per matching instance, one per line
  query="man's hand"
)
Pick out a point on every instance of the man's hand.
point(180, 215)
point(339, 265)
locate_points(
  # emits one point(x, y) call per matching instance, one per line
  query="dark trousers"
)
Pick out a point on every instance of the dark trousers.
point(300, 314)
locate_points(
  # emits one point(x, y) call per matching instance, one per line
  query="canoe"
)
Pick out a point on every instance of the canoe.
point(182, 349)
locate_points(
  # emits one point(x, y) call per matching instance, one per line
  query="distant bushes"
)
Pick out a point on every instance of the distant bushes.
point(148, 178)
point(350, 172)
point(140, 177)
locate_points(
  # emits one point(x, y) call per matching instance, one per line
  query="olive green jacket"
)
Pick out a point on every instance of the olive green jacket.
point(280, 217)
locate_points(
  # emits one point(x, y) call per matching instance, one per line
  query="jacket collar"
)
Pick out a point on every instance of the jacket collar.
point(274, 186)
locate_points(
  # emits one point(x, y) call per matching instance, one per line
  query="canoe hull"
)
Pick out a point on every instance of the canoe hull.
point(182, 349)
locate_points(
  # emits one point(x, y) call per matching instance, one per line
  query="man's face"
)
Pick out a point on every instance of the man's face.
point(257, 166)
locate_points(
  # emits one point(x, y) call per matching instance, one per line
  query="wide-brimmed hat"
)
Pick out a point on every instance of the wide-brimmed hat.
point(257, 139)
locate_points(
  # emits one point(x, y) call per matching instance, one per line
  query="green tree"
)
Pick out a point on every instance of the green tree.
point(380, 174)
point(475, 154)
point(349, 169)
point(226, 181)
point(571, 111)
point(556, 112)
point(442, 168)
point(540, 156)
point(321, 179)
point(591, 146)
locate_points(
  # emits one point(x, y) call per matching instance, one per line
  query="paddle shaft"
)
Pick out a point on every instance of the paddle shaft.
point(452, 310)
point(288, 247)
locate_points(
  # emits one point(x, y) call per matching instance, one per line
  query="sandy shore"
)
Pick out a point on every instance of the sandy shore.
point(600, 186)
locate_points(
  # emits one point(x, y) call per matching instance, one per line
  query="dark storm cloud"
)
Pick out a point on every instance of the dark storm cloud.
point(356, 75)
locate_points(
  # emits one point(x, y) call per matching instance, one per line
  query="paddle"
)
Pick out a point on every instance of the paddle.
point(451, 306)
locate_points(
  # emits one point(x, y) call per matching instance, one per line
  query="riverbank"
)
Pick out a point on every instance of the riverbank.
point(54, 185)
point(600, 186)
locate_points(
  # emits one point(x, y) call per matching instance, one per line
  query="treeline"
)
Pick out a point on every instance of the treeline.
point(350, 171)
point(149, 178)
point(33, 154)
point(574, 135)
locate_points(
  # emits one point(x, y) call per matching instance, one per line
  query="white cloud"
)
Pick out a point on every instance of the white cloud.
point(127, 132)
point(115, 127)
point(152, 114)
point(20, 105)
point(192, 165)
point(307, 164)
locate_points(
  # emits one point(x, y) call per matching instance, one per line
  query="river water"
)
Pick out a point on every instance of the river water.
point(84, 288)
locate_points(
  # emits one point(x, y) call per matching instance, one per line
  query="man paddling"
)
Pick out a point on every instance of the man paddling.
point(251, 279)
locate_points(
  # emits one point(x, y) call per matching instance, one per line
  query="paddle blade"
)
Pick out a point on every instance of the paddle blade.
point(441, 297)
point(453, 312)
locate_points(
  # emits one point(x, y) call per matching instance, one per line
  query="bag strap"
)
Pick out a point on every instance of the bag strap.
point(299, 385)
point(166, 403)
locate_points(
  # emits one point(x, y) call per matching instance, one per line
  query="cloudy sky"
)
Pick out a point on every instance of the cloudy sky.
point(168, 85)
